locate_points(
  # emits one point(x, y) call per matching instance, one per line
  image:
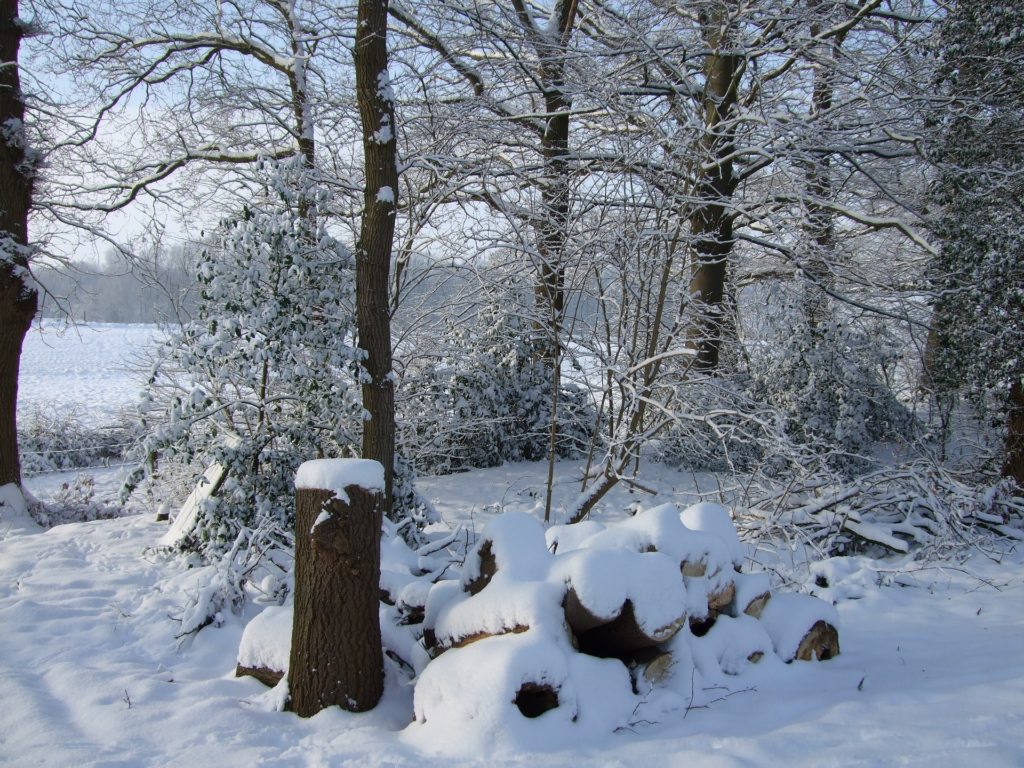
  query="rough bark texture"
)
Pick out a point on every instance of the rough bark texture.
point(336, 657)
point(376, 235)
point(711, 221)
point(552, 227)
point(18, 301)
point(820, 222)
point(1013, 465)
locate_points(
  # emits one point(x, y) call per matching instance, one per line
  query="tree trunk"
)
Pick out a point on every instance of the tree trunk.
point(376, 234)
point(820, 221)
point(1013, 465)
point(18, 300)
point(711, 220)
point(336, 657)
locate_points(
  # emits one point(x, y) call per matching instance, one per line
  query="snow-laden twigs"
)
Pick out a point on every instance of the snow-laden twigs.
point(917, 508)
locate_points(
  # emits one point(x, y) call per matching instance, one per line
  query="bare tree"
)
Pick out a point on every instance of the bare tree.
point(18, 299)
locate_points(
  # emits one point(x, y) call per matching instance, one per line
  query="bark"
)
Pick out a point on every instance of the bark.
point(1013, 465)
point(820, 223)
point(552, 227)
point(18, 300)
point(711, 220)
point(336, 656)
point(376, 235)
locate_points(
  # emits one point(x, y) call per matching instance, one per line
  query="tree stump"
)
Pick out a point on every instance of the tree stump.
point(336, 654)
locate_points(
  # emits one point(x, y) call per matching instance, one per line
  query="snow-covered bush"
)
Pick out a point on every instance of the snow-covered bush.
point(52, 439)
point(831, 385)
point(264, 377)
point(829, 388)
point(720, 427)
point(488, 400)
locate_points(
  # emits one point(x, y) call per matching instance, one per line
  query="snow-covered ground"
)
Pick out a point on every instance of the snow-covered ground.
point(94, 370)
point(931, 670)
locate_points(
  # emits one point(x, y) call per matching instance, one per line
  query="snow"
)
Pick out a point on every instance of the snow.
point(93, 370)
point(715, 519)
point(87, 628)
point(517, 544)
point(14, 516)
point(385, 195)
point(336, 475)
point(787, 617)
point(97, 673)
point(267, 640)
point(505, 606)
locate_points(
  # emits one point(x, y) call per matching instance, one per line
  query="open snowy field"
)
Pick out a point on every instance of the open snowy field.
point(91, 672)
point(95, 370)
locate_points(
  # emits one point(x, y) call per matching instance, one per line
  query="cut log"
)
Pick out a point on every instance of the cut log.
point(462, 642)
point(512, 542)
point(505, 608)
point(720, 599)
point(649, 667)
point(820, 643)
point(751, 595)
point(621, 635)
point(801, 627)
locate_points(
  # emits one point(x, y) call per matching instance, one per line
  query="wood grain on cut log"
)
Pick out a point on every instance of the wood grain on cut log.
point(648, 667)
point(336, 654)
point(750, 596)
point(819, 644)
point(756, 606)
point(720, 600)
point(462, 642)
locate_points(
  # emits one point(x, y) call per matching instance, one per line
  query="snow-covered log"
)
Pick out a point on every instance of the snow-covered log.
point(512, 542)
point(263, 651)
point(801, 627)
point(751, 593)
point(619, 600)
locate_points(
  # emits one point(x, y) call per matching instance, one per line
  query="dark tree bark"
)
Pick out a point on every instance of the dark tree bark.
point(18, 300)
point(336, 657)
point(820, 222)
point(553, 226)
point(1013, 465)
point(711, 220)
point(376, 235)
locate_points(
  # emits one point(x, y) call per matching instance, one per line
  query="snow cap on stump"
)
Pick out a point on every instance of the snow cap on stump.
point(336, 475)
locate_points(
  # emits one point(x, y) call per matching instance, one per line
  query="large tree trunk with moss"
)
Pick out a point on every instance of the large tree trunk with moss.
point(336, 657)
point(376, 234)
point(18, 300)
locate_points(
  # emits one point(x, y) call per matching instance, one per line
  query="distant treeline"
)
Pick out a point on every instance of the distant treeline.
point(155, 289)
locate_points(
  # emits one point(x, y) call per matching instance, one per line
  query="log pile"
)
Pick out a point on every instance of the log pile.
point(637, 592)
point(547, 613)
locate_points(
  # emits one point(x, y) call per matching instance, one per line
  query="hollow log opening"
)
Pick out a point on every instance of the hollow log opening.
point(534, 699)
